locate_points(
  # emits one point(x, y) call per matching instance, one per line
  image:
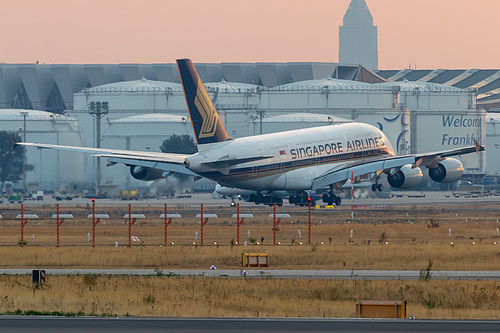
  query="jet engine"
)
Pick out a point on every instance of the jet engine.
point(407, 177)
point(447, 171)
point(145, 174)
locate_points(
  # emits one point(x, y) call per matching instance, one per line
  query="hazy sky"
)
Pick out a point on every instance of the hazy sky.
point(426, 33)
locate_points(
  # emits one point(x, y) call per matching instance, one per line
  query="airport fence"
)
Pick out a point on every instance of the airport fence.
point(124, 226)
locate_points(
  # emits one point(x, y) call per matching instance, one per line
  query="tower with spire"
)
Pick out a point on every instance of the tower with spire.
point(358, 36)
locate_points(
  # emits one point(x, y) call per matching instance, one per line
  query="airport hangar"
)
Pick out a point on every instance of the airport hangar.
point(439, 110)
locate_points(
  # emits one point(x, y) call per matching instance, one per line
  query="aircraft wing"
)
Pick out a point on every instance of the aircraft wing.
point(163, 161)
point(340, 174)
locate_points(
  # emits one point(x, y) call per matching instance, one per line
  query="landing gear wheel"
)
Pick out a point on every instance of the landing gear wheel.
point(380, 187)
point(338, 201)
point(331, 200)
point(374, 187)
point(325, 198)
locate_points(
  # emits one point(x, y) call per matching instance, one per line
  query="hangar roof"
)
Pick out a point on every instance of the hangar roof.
point(151, 118)
point(331, 83)
point(52, 87)
point(306, 118)
point(15, 114)
point(231, 87)
point(486, 82)
point(421, 86)
point(143, 85)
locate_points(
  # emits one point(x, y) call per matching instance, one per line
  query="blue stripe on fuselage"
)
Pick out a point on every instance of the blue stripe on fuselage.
point(295, 164)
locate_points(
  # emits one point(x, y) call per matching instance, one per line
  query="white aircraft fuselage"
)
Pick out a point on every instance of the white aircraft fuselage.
point(296, 157)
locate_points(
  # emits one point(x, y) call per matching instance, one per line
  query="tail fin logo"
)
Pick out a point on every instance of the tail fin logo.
point(207, 112)
point(207, 126)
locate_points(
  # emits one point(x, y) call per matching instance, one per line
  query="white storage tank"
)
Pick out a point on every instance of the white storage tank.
point(144, 132)
point(48, 170)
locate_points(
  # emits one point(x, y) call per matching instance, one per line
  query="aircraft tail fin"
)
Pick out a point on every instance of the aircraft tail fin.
point(207, 126)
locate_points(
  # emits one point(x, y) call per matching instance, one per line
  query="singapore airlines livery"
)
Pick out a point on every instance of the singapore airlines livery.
point(289, 163)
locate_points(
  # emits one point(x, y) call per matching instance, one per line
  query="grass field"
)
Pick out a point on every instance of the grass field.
point(393, 238)
point(208, 297)
point(349, 256)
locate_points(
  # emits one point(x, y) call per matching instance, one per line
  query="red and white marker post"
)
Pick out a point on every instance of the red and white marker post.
point(130, 222)
point(94, 222)
point(167, 222)
point(275, 224)
point(23, 223)
point(24, 220)
point(309, 199)
point(202, 222)
point(59, 220)
point(238, 223)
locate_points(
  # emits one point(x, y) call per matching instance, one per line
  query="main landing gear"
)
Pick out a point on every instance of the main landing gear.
point(266, 199)
point(301, 199)
point(331, 199)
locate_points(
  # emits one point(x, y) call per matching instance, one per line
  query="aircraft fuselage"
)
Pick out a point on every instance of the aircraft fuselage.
point(295, 157)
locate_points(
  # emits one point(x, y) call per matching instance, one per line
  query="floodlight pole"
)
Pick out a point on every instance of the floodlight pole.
point(98, 110)
point(261, 114)
point(24, 114)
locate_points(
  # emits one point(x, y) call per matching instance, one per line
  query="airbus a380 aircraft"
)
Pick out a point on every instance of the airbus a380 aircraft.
point(292, 161)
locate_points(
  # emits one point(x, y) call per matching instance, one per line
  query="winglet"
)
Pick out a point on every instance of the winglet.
point(478, 146)
point(14, 142)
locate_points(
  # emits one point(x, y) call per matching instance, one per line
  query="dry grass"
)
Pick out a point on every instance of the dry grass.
point(410, 245)
point(207, 297)
point(394, 257)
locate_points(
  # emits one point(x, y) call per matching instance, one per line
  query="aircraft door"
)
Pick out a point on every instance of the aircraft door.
point(262, 150)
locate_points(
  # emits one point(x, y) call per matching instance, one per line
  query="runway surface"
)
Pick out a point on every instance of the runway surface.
point(278, 274)
point(61, 324)
point(407, 198)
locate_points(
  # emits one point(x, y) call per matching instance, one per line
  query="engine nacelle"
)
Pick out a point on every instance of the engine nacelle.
point(448, 170)
point(406, 177)
point(145, 174)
